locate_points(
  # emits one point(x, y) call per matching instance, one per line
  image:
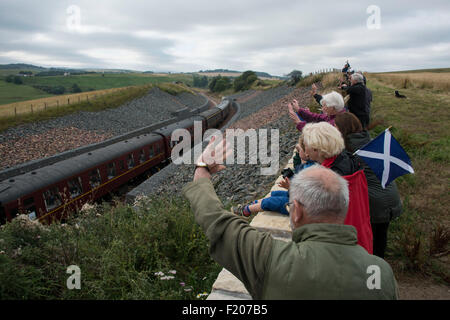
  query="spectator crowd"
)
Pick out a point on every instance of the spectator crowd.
point(338, 211)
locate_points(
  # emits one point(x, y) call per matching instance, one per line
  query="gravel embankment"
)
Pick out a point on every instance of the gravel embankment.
point(241, 183)
point(41, 139)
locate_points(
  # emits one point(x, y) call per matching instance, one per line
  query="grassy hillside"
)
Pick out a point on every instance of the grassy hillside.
point(419, 239)
point(10, 93)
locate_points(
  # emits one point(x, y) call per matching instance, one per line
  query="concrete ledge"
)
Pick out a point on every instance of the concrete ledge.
point(226, 295)
point(226, 281)
point(275, 223)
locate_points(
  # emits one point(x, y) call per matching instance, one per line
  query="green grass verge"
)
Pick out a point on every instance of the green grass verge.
point(118, 250)
point(419, 238)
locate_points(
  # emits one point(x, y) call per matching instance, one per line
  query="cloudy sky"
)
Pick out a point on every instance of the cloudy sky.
point(262, 35)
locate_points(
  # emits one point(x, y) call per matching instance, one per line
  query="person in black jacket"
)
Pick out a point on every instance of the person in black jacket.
point(385, 204)
point(358, 99)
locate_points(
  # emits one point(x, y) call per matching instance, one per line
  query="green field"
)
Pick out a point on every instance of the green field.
point(10, 93)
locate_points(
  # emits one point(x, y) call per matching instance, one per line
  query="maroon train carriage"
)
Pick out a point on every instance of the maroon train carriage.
point(53, 191)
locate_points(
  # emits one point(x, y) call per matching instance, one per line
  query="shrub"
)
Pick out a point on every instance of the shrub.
point(152, 251)
point(219, 84)
point(76, 88)
point(244, 81)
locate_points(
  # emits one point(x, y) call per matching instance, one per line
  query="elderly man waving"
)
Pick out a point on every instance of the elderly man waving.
point(322, 261)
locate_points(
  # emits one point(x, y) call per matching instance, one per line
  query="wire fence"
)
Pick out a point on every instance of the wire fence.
point(55, 102)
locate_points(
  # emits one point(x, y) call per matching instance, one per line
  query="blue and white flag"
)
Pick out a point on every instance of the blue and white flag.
point(386, 157)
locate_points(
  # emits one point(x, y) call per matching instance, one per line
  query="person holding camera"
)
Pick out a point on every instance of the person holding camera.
point(360, 97)
point(278, 199)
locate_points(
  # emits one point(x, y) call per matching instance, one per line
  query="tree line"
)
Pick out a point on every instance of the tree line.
point(243, 82)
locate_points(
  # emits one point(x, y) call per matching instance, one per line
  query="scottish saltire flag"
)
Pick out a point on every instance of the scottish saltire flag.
point(386, 157)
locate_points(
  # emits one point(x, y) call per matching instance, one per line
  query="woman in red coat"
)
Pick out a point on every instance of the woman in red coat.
point(325, 145)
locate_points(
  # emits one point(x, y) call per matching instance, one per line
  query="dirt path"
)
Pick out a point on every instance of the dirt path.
point(421, 288)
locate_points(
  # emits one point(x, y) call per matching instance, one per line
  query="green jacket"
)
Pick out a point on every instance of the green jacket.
point(322, 261)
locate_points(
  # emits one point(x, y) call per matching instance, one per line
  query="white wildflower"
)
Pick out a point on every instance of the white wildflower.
point(173, 271)
point(87, 207)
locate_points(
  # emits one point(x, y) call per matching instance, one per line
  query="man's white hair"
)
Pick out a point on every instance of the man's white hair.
point(322, 193)
point(358, 78)
point(334, 100)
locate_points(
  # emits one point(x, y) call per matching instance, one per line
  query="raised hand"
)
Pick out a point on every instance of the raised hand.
point(215, 154)
point(284, 183)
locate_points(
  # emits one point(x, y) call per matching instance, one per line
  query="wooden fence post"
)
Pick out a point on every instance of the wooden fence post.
point(31, 109)
point(68, 100)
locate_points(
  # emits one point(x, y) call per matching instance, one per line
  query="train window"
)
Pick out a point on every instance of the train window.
point(94, 178)
point(75, 188)
point(52, 198)
point(32, 213)
point(142, 156)
point(14, 212)
point(111, 170)
point(30, 208)
point(158, 149)
point(130, 161)
point(2, 215)
point(28, 202)
point(121, 165)
point(152, 153)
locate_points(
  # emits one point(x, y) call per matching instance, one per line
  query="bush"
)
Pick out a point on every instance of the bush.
point(295, 76)
point(200, 82)
point(219, 84)
point(154, 251)
point(51, 89)
point(244, 81)
point(76, 88)
point(18, 80)
point(9, 78)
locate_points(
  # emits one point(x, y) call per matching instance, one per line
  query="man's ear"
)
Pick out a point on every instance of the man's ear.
point(298, 214)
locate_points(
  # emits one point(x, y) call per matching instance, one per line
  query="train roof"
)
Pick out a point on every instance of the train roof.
point(21, 185)
point(167, 130)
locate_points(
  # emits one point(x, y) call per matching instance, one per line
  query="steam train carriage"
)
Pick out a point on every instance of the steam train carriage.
point(51, 192)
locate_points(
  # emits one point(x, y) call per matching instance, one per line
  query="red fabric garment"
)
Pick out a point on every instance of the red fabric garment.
point(358, 214)
point(327, 163)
